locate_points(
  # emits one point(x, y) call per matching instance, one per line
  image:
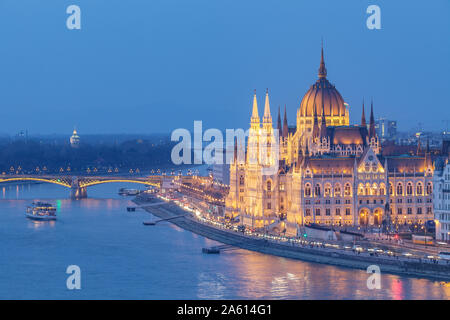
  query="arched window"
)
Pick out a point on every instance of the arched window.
point(347, 189)
point(317, 190)
point(367, 167)
point(269, 185)
point(367, 191)
point(391, 189)
point(360, 189)
point(241, 180)
point(399, 189)
point(419, 188)
point(337, 190)
point(382, 189)
point(409, 189)
point(308, 190)
point(429, 188)
point(327, 190)
point(374, 189)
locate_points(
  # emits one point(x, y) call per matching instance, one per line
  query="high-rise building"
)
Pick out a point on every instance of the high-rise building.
point(386, 129)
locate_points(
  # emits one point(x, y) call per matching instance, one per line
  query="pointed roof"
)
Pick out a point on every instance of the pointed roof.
point(267, 116)
point(255, 115)
point(323, 125)
point(315, 129)
point(279, 127)
point(363, 116)
point(372, 132)
point(285, 124)
point(322, 69)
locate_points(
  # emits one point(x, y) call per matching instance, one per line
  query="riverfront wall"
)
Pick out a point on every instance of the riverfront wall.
point(335, 257)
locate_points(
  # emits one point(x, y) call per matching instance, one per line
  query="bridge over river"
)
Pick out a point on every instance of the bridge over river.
point(78, 184)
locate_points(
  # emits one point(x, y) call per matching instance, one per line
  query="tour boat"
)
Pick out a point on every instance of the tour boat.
point(128, 192)
point(41, 211)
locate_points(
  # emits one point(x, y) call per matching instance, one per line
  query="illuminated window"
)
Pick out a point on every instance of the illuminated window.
point(429, 188)
point(307, 190)
point(409, 189)
point(347, 189)
point(399, 189)
point(419, 190)
point(337, 190)
point(317, 190)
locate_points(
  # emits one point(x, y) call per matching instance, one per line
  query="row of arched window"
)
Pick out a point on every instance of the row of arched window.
point(368, 189)
point(328, 190)
point(400, 190)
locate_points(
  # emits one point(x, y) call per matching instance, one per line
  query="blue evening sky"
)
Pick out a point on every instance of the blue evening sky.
point(144, 66)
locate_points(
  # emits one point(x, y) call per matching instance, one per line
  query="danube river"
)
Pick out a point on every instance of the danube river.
point(120, 258)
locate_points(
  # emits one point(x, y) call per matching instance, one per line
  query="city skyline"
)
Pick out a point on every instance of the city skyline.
point(134, 67)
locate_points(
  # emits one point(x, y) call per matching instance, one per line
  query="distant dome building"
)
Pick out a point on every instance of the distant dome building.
point(75, 139)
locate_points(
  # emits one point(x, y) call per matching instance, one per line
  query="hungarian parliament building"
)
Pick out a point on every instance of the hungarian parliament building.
point(324, 171)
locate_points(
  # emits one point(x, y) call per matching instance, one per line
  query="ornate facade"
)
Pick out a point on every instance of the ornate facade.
point(324, 170)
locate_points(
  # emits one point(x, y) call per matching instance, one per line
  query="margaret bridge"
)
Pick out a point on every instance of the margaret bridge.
point(78, 184)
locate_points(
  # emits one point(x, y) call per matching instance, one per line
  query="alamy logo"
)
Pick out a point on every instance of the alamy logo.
point(74, 280)
point(374, 280)
point(374, 20)
point(262, 147)
point(74, 20)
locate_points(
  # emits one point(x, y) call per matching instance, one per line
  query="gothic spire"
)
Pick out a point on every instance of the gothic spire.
point(255, 116)
point(372, 132)
point(315, 130)
point(323, 125)
point(363, 117)
point(279, 127)
point(285, 124)
point(322, 69)
point(267, 116)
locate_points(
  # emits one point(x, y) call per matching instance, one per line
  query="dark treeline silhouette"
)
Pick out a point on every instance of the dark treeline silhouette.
point(34, 156)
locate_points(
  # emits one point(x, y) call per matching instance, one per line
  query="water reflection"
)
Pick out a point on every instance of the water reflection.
point(124, 259)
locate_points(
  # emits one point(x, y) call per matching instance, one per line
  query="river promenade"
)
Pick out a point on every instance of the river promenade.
point(302, 250)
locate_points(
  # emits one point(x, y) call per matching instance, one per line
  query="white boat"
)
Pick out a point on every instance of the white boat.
point(41, 211)
point(128, 192)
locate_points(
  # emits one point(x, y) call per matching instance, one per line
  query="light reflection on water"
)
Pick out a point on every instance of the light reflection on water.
point(121, 258)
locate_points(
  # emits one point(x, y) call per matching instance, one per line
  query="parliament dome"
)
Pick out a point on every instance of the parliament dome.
point(322, 92)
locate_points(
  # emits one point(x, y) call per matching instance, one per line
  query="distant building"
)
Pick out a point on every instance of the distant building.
point(75, 139)
point(386, 129)
point(441, 180)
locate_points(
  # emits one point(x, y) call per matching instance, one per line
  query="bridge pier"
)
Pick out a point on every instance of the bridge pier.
point(77, 192)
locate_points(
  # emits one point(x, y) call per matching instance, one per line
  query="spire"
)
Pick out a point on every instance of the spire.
point(372, 132)
point(235, 150)
point(307, 149)
point(428, 145)
point(267, 117)
point(255, 116)
point(279, 122)
point(363, 117)
point(323, 125)
point(322, 69)
point(315, 129)
point(285, 124)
